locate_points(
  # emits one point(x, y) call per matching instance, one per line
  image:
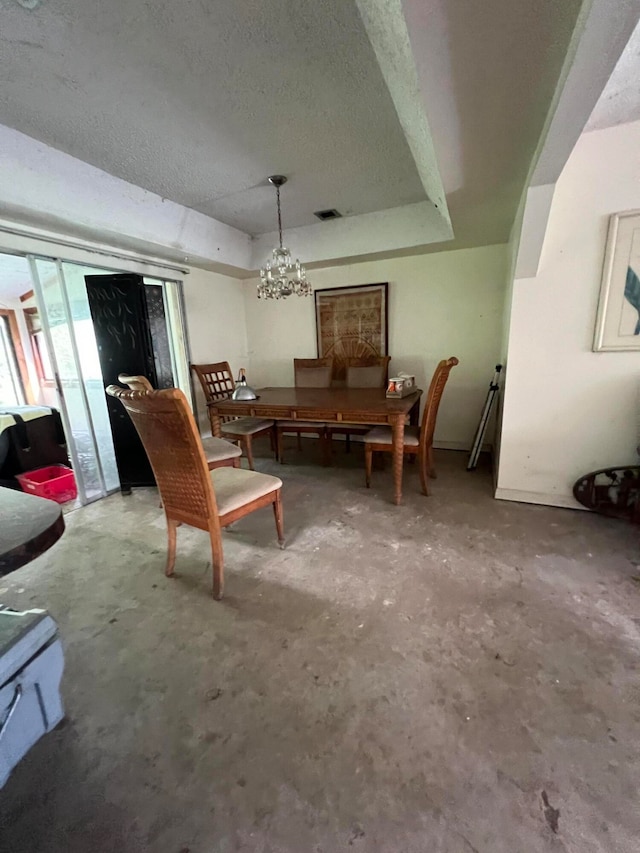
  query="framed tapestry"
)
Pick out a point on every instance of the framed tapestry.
point(618, 322)
point(351, 322)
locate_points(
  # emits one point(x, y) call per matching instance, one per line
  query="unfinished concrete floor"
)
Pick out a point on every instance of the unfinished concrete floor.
point(439, 678)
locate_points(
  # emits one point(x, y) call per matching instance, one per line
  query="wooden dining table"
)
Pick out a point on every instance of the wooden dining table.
point(332, 406)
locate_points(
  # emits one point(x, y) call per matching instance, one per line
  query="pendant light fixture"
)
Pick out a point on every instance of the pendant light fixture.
point(281, 276)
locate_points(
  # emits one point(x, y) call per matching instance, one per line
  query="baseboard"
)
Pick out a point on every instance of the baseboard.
point(520, 496)
point(462, 446)
point(438, 445)
point(459, 445)
point(451, 445)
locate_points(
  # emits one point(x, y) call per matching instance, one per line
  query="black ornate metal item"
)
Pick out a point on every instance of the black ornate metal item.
point(614, 492)
point(125, 329)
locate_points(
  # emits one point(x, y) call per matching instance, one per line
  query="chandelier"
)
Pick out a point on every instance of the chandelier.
point(281, 276)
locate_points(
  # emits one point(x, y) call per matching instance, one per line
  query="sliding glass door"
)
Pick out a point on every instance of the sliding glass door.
point(67, 325)
point(166, 308)
point(68, 329)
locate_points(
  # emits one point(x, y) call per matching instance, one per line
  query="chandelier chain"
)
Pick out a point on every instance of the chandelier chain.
point(279, 216)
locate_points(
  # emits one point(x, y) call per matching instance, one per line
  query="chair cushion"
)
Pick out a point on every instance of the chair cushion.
point(293, 425)
point(384, 435)
point(217, 449)
point(235, 487)
point(245, 426)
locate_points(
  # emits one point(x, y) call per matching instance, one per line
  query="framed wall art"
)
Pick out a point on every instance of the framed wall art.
point(618, 320)
point(351, 322)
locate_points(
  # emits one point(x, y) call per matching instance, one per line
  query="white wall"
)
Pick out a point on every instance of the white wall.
point(568, 410)
point(442, 304)
point(216, 325)
point(512, 257)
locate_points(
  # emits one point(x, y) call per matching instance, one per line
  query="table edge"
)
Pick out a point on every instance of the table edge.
point(41, 543)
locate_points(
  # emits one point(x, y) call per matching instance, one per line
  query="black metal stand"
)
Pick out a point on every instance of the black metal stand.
point(476, 447)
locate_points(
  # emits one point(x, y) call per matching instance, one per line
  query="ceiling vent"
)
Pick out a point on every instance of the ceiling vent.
point(323, 215)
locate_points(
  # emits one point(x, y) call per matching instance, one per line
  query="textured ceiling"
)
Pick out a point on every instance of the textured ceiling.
point(200, 101)
point(620, 100)
point(488, 72)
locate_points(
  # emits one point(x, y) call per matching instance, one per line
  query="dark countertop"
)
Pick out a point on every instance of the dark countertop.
point(29, 526)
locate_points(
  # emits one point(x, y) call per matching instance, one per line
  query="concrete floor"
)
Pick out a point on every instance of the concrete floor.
point(439, 678)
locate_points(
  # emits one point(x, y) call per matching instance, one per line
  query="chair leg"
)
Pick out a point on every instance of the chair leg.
point(299, 435)
point(423, 464)
point(324, 437)
point(172, 528)
point(272, 439)
point(325, 441)
point(348, 442)
point(277, 511)
point(368, 464)
point(280, 446)
point(217, 561)
point(249, 450)
point(432, 470)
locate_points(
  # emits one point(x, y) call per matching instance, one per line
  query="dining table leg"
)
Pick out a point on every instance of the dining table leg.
point(216, 430)
point(398, 456)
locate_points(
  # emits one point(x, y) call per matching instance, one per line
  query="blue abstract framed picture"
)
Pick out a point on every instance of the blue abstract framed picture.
point(618, 322)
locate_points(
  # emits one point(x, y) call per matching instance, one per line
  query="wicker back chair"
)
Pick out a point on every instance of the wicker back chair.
point(135, 383)
point(218, 452)
point(418, 441)
point(434, 396)
point(188, 490)
point(308, 373)
point(217, 384)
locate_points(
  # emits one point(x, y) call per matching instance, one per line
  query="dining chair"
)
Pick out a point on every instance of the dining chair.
point(190, 493)
point(218, 384)
point(361, 372)
point(418, 441)
point(308, 373)
point(218, 452)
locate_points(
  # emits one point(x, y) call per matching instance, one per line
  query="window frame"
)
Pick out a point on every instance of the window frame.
point(43, 380)
point(18, 351)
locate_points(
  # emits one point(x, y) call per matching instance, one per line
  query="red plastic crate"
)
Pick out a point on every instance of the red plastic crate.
point(55, 482)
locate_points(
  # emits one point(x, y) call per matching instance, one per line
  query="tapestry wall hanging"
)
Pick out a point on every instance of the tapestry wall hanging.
point(618, 322)
point(351, 322)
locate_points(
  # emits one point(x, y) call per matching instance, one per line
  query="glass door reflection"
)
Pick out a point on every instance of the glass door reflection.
point(68, 329)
